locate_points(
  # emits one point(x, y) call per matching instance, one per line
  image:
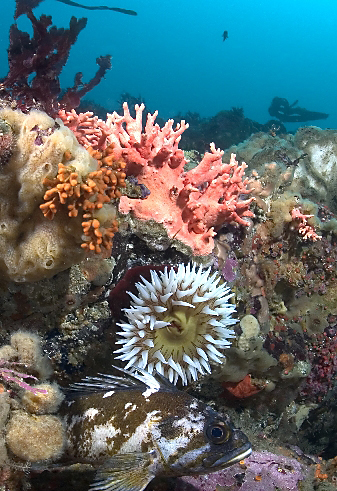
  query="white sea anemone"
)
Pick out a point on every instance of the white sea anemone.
point(178, 323)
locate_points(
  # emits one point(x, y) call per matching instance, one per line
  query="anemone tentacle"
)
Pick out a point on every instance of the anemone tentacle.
point(177, 324)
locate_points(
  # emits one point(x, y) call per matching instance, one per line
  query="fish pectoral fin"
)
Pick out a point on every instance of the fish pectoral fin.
point(125, 472)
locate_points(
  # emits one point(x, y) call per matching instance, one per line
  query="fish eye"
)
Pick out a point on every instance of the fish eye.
point(217, 432)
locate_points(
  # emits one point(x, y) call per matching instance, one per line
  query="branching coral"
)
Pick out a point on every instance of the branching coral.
point(190, 204)
point(89, 130)
point(220, 201)
point(178, 323)
point(306, 230)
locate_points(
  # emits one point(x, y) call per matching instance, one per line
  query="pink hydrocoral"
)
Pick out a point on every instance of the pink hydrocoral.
point(307, 231)
point(190, 205)
point(89, 130)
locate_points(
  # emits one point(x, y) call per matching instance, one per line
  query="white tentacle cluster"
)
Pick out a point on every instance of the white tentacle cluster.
point(177, 324)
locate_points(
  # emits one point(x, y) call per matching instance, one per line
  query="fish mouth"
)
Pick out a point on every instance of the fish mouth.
point(234, 456)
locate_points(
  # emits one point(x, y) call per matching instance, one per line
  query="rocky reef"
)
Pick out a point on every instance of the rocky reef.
point(216, 270)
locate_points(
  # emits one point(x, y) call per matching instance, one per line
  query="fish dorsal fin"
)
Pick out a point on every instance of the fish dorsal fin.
point(136, 378)
point(124, 472)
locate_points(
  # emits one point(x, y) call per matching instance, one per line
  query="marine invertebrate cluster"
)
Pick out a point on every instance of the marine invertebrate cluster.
point(306, 230)
point(261, 471)
point(87, 194)
point(192, 203)
point(10, 374)
point(245, 388)
point(46, 163)
point(35, 63)
point(323, 358)
point(90, 131)
point(315, 176)
point(30, 430)
point(178, 323)
point(188, 205)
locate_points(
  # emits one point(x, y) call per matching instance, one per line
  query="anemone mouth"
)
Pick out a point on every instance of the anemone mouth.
point(182, 325)
point(177, 324)
point(183, 332)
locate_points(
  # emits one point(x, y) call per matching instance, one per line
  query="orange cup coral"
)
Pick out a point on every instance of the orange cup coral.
point(87, 194)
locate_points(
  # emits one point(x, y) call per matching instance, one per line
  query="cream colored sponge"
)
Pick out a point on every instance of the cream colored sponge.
point(32, 145)
point(35, 438)
point(43, 402)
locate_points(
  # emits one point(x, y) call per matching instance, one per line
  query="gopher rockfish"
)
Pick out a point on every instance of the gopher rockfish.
point(136, 427)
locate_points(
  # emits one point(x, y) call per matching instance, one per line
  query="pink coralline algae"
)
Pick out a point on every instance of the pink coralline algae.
point(262, 471)
point(307, 231)
point(190, 205)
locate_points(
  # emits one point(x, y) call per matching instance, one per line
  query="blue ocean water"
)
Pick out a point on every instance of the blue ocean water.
point(173, 54)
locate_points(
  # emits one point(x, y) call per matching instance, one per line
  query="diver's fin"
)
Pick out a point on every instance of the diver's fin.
point(135, 379)
point(125, 472)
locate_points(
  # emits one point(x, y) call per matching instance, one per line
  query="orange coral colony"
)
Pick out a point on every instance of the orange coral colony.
point(87, 194)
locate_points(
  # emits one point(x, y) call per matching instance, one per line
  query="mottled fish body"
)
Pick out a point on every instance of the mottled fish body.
point(135, 428)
